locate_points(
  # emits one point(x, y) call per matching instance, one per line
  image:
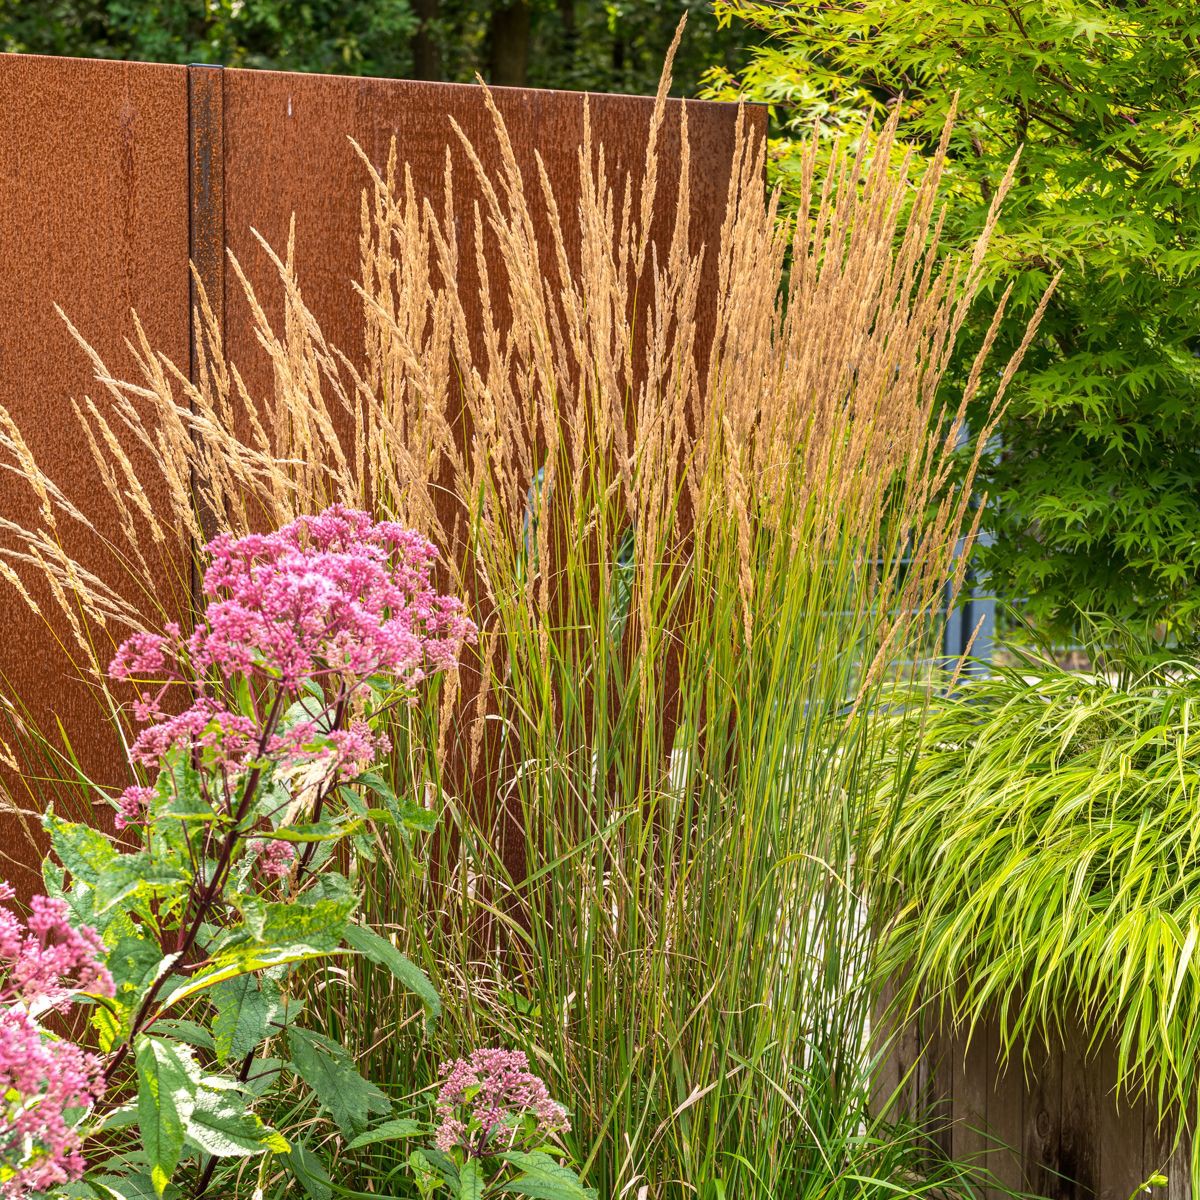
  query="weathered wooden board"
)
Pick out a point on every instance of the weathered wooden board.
point(1051, 1123)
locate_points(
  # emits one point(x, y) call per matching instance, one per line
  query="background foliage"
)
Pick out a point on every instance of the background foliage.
point(1095, 488)
point(614, 46)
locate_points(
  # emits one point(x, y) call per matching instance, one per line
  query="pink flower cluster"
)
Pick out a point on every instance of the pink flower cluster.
point(206, 725)
point(132, 805)
point(45, 962)
point(332, 596)
point(335, 593)
point(41, 1080)
point(488, 1094)
point(274, 857)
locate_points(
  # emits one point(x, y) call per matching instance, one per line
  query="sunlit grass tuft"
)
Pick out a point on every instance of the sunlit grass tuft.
point(1041, 867)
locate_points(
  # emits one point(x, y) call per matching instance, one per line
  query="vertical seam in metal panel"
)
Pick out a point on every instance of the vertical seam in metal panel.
point(206, 226)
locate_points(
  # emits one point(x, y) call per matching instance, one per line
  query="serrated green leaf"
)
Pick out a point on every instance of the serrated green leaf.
point(246, 1005)
point(316, 918)
point(406, 811)
point(135, 1186)
point(141, 874)
point(389, 1131)
point(424, 1176)
point(190, 1032)
point(440, 1162)
point(379, 950)
point(470, 1181)
point(543, 1177)
point(133, 963)
point(309, 1171)
point(119, 1118)
point(328, 1069)
point(318, 831)
point(239, 962)
point(167, 1079)
point(538, 1187)
point(222, 1126)
point(84, 851)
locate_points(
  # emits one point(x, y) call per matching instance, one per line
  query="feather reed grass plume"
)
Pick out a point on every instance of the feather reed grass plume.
point(804, 370)
point(704, 502)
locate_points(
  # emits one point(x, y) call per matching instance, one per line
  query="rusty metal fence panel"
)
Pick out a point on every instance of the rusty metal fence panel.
point(114, 174)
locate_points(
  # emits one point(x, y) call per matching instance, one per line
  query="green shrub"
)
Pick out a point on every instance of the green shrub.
point(1095, 489)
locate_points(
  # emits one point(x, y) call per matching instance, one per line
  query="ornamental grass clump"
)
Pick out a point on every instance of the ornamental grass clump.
point(704, 501)
point(1040, 868)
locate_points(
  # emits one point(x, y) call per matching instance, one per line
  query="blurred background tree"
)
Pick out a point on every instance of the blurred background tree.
point(1095, 486)
point(612, 46)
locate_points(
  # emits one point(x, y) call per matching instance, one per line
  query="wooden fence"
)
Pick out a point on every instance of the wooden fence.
point(1050, 1125)
point(113, 175)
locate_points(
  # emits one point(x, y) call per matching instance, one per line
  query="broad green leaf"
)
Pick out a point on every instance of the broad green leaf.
point(264, 1075)
point(84, 851)
point(240, 962)
point(220, 1125)
point(318, 831)
point(470, 1181)
point(538, 1187)
point(544, 1177)
point(404, 810)
point(134, 1186)
point(328, 1069)
point(437, 1161)
point(110, 1026)
point(134, 963)
point(138, 874)
point(186, 1031)
point(428, 1179)
point(315, 918)
point(119, 1118)
point(379, 950)
point(246, 1005)
point(167, 1078)
point(390, 1131)
point(178, 806)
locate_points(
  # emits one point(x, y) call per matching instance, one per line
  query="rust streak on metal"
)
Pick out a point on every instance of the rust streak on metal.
point(206, 188)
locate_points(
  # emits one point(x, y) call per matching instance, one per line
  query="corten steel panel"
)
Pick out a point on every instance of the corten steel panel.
point(287, 152)
point(94, 217)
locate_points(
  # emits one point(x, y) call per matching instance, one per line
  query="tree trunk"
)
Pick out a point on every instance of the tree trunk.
point(569, 33)
point(617, 83)
point(426, 53)
point(508, 43)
